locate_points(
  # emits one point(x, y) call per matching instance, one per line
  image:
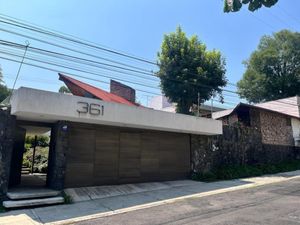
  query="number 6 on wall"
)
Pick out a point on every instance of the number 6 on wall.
point(93, 109)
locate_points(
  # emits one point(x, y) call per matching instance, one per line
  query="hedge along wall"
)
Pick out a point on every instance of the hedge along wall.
point(239, 145)
point(7, 128)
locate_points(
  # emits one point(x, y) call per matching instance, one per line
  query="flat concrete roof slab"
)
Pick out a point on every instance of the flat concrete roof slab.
point(44, 106)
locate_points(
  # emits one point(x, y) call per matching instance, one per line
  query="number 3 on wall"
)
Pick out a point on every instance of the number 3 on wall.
point(92, 108)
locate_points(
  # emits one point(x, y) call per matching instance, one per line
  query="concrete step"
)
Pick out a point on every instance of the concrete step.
point(25, 172)
point(26, 169)
point(33, 202)
point(30, 193)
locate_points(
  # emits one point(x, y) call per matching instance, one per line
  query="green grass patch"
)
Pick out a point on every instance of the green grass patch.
point(243, 171)
point(67, 198)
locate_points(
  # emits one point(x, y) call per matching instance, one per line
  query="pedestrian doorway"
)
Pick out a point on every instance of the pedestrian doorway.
point(29, 164)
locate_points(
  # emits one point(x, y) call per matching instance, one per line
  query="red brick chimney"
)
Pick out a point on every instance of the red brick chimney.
point(122, 90)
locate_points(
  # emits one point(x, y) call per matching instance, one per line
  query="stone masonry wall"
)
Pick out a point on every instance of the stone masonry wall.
point(237, 146)
point(276, 129)
point(57, 156)
point(7, 126)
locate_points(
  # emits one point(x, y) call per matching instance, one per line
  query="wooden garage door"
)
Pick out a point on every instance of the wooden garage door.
point(106, 169)
point(80, 158)
point(106, 155)
point(130, 156)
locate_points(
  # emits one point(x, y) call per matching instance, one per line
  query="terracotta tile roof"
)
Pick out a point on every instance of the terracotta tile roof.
point(81, 89)
point(287, 106)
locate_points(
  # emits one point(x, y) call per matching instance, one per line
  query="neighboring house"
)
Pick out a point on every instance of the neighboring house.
point(162, 103)
point(278, 121)
point(119, 93)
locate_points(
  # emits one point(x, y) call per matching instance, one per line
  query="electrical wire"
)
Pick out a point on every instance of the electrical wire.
point(77, 41)
point(80, 70)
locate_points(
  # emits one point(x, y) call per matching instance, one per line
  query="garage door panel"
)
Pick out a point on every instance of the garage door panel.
point(128, 173)
point(105, 171)
point(130, 155)
point(81, 145)
point(106, 155)
point(150, 165)
point(79, 174)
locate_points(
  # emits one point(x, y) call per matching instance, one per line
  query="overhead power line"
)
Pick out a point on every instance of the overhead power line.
point(151, 73)
point(121, 79)
point(78, 59)
point(27, 26)
point(100, 81)
point(66, 48)
point(79, 76)
point(65, 72)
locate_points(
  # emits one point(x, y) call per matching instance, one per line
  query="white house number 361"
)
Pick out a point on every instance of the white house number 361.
point(90, 108)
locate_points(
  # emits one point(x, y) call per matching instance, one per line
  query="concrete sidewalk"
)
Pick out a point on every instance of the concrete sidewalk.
point(123, 199)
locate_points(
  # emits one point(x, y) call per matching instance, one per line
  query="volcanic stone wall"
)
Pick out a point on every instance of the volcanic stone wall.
point(276, 129)
point(7, 128)
point(239, 145)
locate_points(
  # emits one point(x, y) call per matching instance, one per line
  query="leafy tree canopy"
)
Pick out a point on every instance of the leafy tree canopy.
point(64, 89)
point(42, 140)
point(4, 92)
point(273, 70)
point(236, 5)
point(187, 68)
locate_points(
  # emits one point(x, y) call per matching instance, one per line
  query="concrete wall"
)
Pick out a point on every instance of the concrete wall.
point(51, 107)
point(296, 127)
point(160, 103)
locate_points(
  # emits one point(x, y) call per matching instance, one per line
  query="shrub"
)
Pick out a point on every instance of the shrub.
point(243, 171)
point(67, 198)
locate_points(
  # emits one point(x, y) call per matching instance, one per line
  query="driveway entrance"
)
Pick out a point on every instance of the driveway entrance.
point(100, 155)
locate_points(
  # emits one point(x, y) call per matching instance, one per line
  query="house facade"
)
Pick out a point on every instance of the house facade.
point(98, 137)
point(162, 103)
point(266, 133)
point(278, 121)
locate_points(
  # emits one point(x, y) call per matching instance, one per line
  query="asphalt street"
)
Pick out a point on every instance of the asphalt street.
point(275, 204)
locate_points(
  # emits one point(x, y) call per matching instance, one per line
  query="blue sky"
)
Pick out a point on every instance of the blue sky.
point(138, 26)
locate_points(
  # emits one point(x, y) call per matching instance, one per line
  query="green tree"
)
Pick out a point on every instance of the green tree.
point(236, 5)
point(187, 69)
point(42, 140)
point(273, 70)
point(64, 89)
point(4, 92)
